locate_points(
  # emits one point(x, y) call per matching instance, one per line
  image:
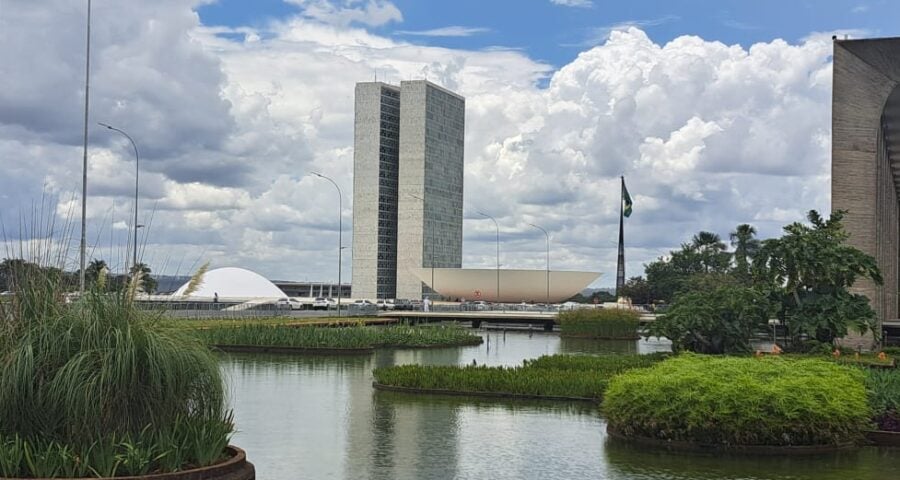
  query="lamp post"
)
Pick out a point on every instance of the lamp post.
point(340, 233)
point(498, 250)
point(87, 83)
point(432, 241)
point(548, 258)
point(137, 173)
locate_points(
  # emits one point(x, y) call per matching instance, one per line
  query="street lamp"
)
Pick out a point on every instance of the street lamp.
point(548, 258)
point(87, 84)
point(340, 233)
point(498, 250)
point(137, 173)
point(432, 240)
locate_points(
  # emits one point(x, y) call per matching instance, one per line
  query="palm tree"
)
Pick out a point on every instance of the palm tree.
point(745, 247)
point(710, 247)
point(94, 270)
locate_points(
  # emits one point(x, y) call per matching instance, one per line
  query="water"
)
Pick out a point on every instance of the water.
point(319, 418)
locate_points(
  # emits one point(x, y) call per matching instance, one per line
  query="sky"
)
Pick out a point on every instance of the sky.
point(717, 114)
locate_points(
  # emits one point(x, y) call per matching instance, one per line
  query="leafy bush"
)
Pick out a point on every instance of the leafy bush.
point(100, 383)
point(740, 401)
point(720, 320)
point(883, 386)
point(599, 323)
point(339, 337)
point(557, 375)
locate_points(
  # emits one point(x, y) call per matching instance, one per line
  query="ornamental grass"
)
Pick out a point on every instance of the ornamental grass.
point(357, 337)
point(93, 386)
point(740, 401)
point(555, 376)
point(599, 323)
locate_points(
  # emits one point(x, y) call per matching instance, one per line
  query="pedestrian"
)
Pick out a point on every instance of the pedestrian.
point(215, 297)
point(426, 304)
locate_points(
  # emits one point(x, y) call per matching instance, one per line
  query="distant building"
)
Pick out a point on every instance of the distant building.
point(407, 186)
point(865, 158)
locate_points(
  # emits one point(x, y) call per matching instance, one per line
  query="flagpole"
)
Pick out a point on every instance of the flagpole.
point(620, 268)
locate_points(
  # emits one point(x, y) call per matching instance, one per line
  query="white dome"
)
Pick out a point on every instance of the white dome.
point(233, 282)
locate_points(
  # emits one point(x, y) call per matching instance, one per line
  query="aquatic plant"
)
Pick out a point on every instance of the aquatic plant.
point(92, 385)
point(356, 337)
point(740, 401)
point(556, 375)
point(883, 386)
point(599, 323)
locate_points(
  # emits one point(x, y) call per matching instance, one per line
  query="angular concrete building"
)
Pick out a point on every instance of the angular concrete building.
point(429, 224)
point(376, 142)
point(407, 185)
point(865, 157)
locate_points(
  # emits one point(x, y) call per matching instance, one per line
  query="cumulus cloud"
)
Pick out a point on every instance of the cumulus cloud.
point(707, 135)
point(573, 3)
point(452, 31)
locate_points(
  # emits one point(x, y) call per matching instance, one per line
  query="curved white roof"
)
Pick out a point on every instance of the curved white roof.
point(515, 285)
point(233, 282)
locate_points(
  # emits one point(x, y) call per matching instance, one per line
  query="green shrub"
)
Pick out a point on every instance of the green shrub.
point(599, 323)
point(96, 383)
point(557, 375)
point(883, 385)
point(721, 320)
point(338, 337)
point(740, 401)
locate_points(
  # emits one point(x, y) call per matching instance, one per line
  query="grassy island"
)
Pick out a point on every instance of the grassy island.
point(556, 376)
point(743, 401)
point(338, 338)
point(614, 324)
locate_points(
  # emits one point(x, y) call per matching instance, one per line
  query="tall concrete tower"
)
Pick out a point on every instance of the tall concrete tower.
point(429, 224)
point(407, 186)
point(376, 141)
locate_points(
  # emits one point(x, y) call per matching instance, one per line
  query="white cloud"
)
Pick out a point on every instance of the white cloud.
point(373, 13)
point(573, 3)
point(452, 31)
point(708, 135)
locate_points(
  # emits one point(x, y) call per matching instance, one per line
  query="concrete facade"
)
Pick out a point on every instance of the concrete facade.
point(865, 159)
point(407, 185)
point(376, 137)
point(432, 135)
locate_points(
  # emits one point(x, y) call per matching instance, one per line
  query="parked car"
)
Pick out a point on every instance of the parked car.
point(295, 303)
point(363, 303)
point(283, 304)
point(477, 305)
point(402, 304)
point(320, 303)
point(385, 304)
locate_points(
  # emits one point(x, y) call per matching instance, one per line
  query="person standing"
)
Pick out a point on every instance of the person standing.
point(426, 304)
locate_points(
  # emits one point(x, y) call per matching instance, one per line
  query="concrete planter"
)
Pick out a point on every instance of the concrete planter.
point(681, 446)
point(234, 468)
point(883, 438)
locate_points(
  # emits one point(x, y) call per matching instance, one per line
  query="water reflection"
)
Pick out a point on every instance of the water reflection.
point(318, 417)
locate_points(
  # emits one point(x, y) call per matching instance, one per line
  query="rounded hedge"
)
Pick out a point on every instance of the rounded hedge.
point(740, 401)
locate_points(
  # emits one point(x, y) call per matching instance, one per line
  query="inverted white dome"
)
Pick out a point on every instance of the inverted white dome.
point(231, 282)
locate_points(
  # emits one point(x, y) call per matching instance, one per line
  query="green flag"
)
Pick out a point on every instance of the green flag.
point(626, 200)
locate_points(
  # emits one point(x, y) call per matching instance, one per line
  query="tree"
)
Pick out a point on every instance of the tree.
point(711, 250)
point(745, 247)
point(148, 283)
point(717, 320)
point(809, 271)
point(94, 271)
point(704, 255)
point(638, 290)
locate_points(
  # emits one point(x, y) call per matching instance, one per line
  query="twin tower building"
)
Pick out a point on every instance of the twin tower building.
point(407, 186)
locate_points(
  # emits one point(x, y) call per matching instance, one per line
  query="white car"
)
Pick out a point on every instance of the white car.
point(363, 303)
point(321, 303)
point(385, 304)
point(287, 304)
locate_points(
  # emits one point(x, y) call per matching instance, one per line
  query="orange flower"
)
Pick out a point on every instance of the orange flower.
point(882, 357)
point(776, 349)
point(836, 353)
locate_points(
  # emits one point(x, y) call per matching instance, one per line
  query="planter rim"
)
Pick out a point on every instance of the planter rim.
point(883, 438)
point(462, 393)
point(748, 449)
point(237, 461)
